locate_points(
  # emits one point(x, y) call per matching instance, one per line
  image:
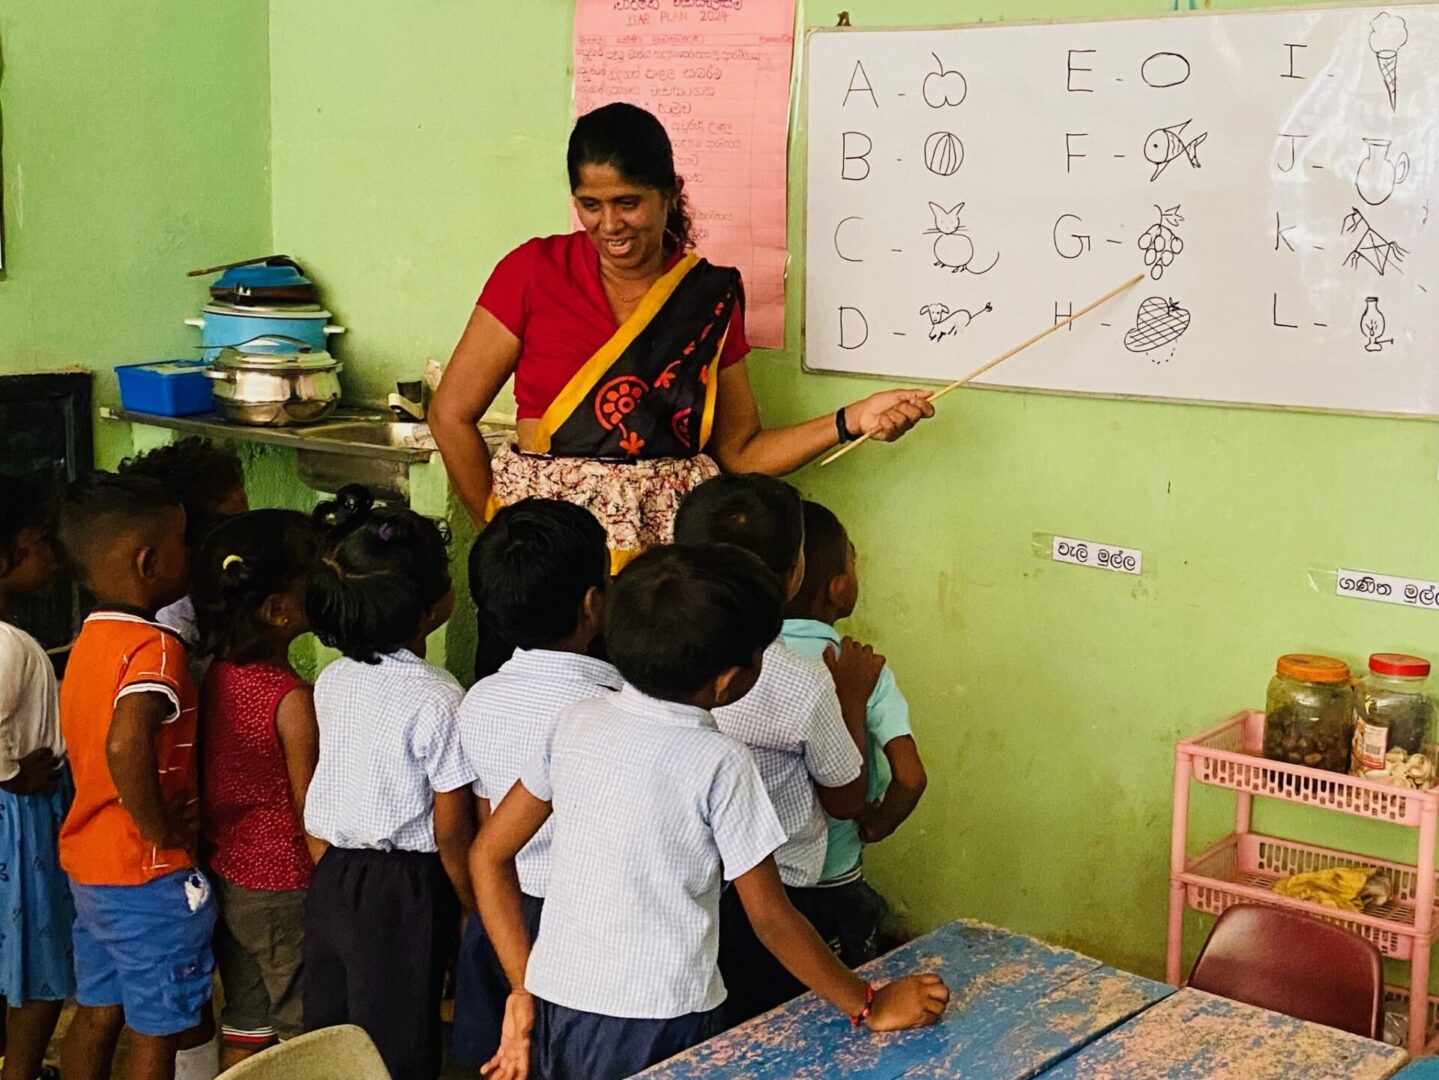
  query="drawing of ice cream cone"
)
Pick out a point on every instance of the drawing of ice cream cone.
point(1387, 35)
point(1389, 68)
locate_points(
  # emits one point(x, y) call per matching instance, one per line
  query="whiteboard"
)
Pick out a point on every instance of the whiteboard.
point(1272, 173)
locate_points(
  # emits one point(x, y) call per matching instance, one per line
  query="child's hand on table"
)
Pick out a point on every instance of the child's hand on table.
point(512, 1060)
point(911, 1002)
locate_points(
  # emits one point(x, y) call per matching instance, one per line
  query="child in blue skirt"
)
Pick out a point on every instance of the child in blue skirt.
point(36, 959)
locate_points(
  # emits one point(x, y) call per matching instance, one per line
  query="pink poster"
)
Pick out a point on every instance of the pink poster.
point(716, 73)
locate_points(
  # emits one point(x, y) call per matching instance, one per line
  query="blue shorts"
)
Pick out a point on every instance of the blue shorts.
point(146, 947)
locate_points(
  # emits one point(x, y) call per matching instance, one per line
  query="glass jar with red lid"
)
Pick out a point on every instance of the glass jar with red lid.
point(1393, 711)
point(1308, 712)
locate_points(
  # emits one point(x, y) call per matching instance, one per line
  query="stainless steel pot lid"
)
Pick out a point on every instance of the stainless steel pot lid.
point(241, 360)
point(291, 311)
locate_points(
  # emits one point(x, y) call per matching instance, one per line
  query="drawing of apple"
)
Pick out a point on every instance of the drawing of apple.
point(943, 87)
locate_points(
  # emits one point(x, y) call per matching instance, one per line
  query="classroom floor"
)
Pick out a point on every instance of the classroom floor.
point(451, 1071)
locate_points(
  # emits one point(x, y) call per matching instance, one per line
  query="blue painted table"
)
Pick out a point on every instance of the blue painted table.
point(1423, 1069)
point(1017, 1005)
point(1192, 1035)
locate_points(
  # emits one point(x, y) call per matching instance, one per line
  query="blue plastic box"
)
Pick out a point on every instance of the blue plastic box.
point(165, 387)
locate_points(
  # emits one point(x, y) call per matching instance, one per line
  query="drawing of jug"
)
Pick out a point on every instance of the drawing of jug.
point(1371, 325)
point(1378, 175)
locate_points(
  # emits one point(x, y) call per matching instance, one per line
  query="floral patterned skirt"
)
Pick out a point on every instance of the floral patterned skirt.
point(635, 501)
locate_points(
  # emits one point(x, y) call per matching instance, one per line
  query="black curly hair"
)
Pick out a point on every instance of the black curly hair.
point(530, 571)
point(243, 561)
point(23, 505)
point(381, 570)
point(199, 473)
point(679, 616)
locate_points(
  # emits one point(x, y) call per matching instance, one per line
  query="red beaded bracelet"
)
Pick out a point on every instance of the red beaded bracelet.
point(863, 1015)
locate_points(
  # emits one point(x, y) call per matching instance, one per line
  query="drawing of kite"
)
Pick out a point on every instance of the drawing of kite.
point(1371, 248)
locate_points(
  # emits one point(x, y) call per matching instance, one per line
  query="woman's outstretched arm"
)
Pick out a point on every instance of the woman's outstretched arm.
point(740, 443)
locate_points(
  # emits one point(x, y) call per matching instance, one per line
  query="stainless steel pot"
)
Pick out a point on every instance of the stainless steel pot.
point(275, 389)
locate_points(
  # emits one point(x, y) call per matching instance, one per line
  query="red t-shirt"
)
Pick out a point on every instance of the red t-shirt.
point(257, 840)
point(548, 293)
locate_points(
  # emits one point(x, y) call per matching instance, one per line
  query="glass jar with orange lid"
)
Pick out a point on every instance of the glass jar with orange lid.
point(1308, 712)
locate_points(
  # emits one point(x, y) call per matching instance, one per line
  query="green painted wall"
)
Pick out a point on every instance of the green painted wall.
point(136, 147)
point(1046, 698)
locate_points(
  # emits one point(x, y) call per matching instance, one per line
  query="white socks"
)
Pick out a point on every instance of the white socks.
point(201, 1063)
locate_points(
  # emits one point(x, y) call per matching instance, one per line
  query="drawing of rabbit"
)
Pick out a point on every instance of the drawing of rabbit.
point(953, 250)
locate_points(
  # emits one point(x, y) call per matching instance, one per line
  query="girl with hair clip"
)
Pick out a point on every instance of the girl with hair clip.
point(391, 795)
point(259, 741)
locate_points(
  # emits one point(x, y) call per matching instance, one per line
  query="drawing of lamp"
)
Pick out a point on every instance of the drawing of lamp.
point(1371, 325)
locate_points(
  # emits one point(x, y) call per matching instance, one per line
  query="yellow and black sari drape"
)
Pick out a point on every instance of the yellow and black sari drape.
point(650, 391)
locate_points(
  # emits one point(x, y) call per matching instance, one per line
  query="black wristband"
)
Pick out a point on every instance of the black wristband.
point(841, 427)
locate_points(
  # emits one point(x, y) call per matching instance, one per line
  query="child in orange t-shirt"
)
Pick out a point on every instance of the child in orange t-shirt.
point(143, 911)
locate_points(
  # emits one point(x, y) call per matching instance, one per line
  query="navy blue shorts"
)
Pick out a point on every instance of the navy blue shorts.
point(573, 1045)
point(481, 989)
point(379, 927)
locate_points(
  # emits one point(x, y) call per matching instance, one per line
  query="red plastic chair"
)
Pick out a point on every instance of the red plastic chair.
point(1294, 964)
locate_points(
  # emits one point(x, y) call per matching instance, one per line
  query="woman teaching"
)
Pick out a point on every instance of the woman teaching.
point(628, 355)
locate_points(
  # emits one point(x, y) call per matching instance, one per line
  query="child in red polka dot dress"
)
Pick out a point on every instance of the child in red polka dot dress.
point(259, 743)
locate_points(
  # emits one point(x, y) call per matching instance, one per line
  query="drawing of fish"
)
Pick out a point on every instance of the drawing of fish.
point(1167, 143)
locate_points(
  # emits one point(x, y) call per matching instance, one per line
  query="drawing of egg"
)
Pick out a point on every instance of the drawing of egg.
point(1164, 69)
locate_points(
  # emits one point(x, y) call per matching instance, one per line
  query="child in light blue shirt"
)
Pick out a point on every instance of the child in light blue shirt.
point(843, 907)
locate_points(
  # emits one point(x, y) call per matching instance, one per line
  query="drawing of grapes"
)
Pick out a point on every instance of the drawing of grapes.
point(1159, 242)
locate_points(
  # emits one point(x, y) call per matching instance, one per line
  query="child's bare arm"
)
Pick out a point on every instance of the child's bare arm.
point(913, 1001)
point(844, 803)
point(906, 785)
point(130, 753)
point(497, 885)
point(299, 734)
point(497, 888)
point(38, 772)
point(454, 833)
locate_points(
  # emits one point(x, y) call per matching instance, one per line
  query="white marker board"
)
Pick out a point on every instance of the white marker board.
point(1259, 159)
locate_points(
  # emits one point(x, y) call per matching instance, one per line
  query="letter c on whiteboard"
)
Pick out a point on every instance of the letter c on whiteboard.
point(838, 250)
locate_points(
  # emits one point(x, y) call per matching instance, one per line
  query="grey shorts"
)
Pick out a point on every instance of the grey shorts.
point(258, 948)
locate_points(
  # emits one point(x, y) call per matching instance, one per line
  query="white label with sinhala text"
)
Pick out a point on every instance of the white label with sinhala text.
point(1386, 589)
point(1123, 560)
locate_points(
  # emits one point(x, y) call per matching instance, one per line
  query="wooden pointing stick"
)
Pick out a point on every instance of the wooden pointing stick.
point(1110, 295)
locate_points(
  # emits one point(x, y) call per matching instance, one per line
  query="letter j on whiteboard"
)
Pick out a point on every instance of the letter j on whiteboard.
point(1121, 560)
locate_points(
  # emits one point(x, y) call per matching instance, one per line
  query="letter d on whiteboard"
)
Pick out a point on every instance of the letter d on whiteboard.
point(853, 328)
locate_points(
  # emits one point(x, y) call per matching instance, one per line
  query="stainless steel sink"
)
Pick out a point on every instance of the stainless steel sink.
point(354, 446)
point(393, 434)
